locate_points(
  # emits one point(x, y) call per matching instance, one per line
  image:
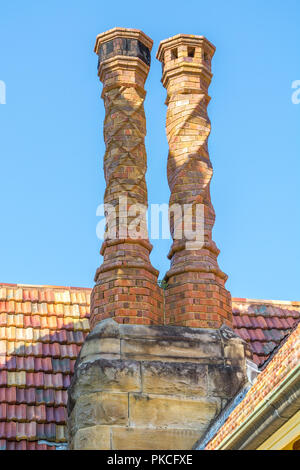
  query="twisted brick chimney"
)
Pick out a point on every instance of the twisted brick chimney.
point(196, 294)
point(126, 283)
point(139, 384)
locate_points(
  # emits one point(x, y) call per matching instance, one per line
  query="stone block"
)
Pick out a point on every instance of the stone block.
point(95, 346)
point(101, 408)
point(92, 438)
point(168, 386)
point(169, 332)
point(153, 439)
point(168, 349)
point(235, 348)
point(234, 353)
point(174, 412)
point(174, 378)
point(104, 375)
point(224, 381)
point(106, 329)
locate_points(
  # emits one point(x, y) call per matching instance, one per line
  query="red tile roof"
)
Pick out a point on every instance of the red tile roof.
point(286, 360)
point(41, 331)
point(264, 324)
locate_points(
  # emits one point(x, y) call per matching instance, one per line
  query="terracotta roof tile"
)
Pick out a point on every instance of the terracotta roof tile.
point(45, 396)
point(243, 332)
point(268, 347)
point(3, 378)
point(41, 332)
point(257, 347)
point(50, 415)
point(2, 362)
point(25, 445)
point(26, 430)
point(2, 444)
point(17, 412)
point(66, 381)
point(266, 322)
point(3, 414)
point(9, 395)
point(274, 335)
point(46, 431)
point(9, 430)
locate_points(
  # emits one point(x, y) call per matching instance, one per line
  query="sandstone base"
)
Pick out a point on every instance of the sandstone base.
point(152, 387)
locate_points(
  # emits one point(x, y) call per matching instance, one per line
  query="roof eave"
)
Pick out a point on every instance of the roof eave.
point(274, 411)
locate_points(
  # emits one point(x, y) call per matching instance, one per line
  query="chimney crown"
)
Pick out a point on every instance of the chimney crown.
point(126, 42)
point(185, 53)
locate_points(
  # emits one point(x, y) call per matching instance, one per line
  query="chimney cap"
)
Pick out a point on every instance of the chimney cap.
point(186, 39)
point(129, 33)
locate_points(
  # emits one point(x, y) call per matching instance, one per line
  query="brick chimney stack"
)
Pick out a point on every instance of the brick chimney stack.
point(148, 385)
point(126, 283)
point(196, 294)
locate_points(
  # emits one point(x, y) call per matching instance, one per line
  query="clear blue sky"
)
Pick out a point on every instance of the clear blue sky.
point(52, 148)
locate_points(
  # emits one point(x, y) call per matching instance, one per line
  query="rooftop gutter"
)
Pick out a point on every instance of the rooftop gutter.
point(275, 410)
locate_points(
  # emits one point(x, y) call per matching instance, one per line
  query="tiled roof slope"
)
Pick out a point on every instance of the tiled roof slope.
point(41, 331)
point(264, 324)
point(286, 360)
